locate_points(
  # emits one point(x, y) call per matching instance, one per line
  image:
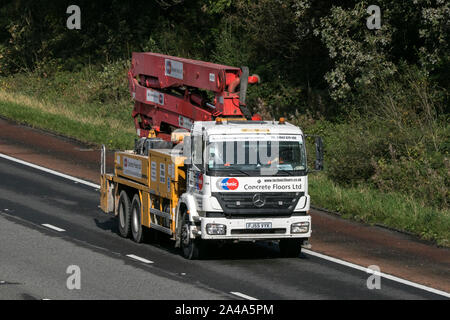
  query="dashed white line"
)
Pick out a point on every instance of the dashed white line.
point(53, 227)
point(382, 274)
point(132, 256)
point(243, 295)
point(56, 173)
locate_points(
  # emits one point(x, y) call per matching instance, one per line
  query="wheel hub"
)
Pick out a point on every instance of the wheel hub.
point(121, 216)
point(185, 235)
point(135, 220)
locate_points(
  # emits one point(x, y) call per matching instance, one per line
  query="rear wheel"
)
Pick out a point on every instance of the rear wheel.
point(290, 248)
point(124, 219)
point(136, 225)
point(191, 248)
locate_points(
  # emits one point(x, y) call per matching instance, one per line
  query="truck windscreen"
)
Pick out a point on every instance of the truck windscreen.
point(251, 155)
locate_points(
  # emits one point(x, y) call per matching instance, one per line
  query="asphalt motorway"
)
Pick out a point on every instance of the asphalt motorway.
point(48, 223)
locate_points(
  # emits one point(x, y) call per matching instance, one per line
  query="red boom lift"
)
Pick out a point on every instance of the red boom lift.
point(172, 92)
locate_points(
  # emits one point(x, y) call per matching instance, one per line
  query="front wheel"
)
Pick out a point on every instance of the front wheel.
point(191, 248)
point(290, 248)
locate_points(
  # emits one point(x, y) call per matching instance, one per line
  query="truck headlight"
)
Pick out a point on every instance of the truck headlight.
point(300, 227)
point(215, 228)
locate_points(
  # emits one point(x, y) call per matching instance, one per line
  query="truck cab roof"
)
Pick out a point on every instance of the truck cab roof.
point(243, 127)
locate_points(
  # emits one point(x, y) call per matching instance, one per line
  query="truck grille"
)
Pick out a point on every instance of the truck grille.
point(267, 203)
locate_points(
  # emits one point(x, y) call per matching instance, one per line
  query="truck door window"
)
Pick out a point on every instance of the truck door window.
point(197, 150)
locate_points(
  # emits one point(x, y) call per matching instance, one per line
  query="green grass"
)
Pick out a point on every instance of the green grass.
point(92, 105)
point(73, 128)
point(371, 206)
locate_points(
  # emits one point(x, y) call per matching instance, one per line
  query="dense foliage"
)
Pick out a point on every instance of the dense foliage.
point(379, 97)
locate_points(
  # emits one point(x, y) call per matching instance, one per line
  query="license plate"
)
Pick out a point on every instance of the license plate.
point(259, 225)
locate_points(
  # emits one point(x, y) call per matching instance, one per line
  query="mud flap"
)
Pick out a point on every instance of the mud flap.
point(106, 194)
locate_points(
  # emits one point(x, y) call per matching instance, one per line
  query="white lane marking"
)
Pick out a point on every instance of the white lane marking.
point(53, 227)
point(56, 173)
point(316, 254)
point(132, 256)
point(243, 295)
point(382, 274)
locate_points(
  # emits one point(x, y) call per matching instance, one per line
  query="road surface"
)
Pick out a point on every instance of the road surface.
point(48, 223)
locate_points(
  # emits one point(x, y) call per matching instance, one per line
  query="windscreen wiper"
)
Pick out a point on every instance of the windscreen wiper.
point(232, 169)
point(241, 171)
point(289, 172)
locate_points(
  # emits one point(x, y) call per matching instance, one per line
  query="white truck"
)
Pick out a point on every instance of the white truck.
point(249, 184)
point(228, 180)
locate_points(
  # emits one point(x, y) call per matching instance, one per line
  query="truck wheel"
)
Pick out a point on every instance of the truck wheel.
point(189, 247)
point(290, 248)
point(124, 219)
point(136, 225)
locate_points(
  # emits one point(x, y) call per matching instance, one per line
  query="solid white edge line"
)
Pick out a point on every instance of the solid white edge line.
point(316, 254)
point(53, 227)
point(243, 295)
point(382, 274)
point(56, 173)
point(132, 256)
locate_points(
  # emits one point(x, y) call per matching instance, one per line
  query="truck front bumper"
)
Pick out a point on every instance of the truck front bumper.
point(238, 229)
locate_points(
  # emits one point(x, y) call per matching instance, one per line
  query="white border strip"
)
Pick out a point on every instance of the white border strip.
point(312, 253)
point(56, 173)
point(243, 295)
point(132, 256)
point(53, 227)
point(382, 274)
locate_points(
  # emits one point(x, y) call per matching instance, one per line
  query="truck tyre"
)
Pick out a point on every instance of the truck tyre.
point(189, 247)
point(136, 225)
point(290, 248)
point(124, 219)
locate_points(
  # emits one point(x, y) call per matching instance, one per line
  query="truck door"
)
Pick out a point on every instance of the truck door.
point(196, 169)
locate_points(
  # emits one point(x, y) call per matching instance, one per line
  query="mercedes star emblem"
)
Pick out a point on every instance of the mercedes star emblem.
point(259, 200)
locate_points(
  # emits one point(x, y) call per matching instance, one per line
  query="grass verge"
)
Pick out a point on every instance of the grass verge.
point(67, 121)
point(390, 209)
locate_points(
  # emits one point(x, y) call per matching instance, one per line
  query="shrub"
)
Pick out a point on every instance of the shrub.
point(398, 141)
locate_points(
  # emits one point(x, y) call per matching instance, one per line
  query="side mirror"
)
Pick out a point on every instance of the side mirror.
point(318, 164)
